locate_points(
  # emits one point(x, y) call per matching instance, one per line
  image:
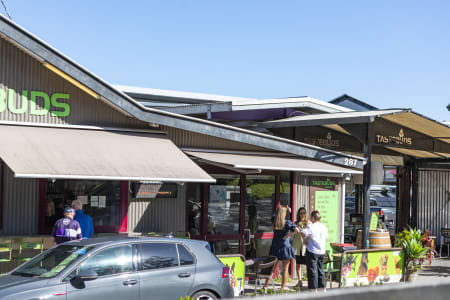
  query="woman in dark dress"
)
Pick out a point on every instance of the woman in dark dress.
point(281, 243)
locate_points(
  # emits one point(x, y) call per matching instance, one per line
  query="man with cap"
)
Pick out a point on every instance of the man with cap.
point(66, 229)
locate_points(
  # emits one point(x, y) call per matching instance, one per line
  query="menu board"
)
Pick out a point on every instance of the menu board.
point(327, 203)
point(373, 221)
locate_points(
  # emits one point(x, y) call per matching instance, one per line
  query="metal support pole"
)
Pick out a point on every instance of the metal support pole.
point(366, 185)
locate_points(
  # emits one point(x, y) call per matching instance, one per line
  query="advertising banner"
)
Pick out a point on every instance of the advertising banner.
point(372, 267)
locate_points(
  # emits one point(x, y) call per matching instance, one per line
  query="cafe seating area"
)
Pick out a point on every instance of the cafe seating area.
point(15, 250)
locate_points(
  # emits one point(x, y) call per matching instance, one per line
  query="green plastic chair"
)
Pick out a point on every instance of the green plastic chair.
point(6, 247)
point(29, 246)
point(329, 268)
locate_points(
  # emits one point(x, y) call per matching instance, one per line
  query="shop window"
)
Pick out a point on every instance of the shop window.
point(224, 205)
point(1, 193)
point(194, 208)
point(285, 188)
point(390, 174)
point(260, 203)
point(285, 191)
point(101, 200)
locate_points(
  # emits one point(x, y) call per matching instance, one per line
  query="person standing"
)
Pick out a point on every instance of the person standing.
point(87, 227)
point(315, 236)
point(298, 244)
point(281, 243)
point(66, 229)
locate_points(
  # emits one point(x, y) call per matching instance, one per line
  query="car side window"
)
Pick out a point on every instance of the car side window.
point(114, 260)
point(186, 257)
point(158, 256)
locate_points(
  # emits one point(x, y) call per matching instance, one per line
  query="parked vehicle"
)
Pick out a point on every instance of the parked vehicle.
point(120, 268)
point(383, 200)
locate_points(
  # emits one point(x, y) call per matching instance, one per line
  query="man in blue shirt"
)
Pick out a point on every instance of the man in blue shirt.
point(87, 227)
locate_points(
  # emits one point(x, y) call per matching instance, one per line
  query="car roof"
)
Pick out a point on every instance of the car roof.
point(116, 240)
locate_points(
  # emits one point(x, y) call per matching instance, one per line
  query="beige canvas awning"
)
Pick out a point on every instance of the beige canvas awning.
point(44, 152)
point(262, 161)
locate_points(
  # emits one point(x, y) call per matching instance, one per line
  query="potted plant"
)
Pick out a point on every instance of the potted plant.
point(411, 240)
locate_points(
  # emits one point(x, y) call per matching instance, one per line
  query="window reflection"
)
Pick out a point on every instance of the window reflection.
point(158, 255)
point(260, 202)
point(223, 205)
point(194, 204)
point(110, 261)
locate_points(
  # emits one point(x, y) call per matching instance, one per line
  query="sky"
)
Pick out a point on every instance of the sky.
point(390, 54)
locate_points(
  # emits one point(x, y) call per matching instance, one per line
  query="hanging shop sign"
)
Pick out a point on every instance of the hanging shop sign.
point(327, 138)
point(327, 142)
point(399, 139)
point(36, 103)
point(323, 182)
point(159, 190)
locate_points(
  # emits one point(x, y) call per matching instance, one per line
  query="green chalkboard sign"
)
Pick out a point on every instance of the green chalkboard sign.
point(373, 221)
point(327, 203)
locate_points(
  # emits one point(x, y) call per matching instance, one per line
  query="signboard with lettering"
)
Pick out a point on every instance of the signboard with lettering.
point(36, 103)
point(327, 203)
point(328, 138)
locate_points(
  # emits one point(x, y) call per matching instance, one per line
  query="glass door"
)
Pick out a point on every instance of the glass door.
point(260, 204)
point(223, 222)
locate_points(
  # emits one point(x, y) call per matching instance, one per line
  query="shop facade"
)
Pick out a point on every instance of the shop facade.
point(67, 135)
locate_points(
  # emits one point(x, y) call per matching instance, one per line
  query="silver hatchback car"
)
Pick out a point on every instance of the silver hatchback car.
point(120, 268)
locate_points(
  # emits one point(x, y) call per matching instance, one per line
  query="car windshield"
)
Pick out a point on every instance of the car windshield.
point(52, 262)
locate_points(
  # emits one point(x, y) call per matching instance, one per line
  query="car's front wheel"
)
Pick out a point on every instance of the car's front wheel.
point(204, 295)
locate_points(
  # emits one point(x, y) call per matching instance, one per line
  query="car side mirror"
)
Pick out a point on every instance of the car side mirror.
point(87, 275)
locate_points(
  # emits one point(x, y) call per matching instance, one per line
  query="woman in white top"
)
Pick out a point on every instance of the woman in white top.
point(315, 236)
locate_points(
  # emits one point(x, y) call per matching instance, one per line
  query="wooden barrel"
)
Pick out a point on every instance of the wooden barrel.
point(379, 240)
point(358, 239)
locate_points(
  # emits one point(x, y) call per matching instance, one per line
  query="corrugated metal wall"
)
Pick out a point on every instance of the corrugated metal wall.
point(189, 139)
point(20, 204)
point(301, 192)
point(157, 215)
point(432, 200)
point(19, 71)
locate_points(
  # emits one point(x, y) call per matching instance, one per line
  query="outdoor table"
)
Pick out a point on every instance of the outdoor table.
point(249, 262)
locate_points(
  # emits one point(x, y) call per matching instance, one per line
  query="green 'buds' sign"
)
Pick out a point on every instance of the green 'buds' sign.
point(36, 102)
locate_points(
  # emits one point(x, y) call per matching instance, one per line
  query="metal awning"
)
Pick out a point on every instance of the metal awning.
point(399, 130)
point(266, 161)
point(44, 152)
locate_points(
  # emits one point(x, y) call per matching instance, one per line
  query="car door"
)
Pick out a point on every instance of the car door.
point(116, 277)
point(166, 270)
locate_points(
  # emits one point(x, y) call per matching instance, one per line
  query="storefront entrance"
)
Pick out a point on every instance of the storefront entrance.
point(235, 213)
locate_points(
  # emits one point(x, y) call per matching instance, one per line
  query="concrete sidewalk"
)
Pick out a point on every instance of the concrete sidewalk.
point(439, 269)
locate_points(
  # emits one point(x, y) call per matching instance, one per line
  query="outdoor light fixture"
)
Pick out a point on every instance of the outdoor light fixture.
point(347, 177)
